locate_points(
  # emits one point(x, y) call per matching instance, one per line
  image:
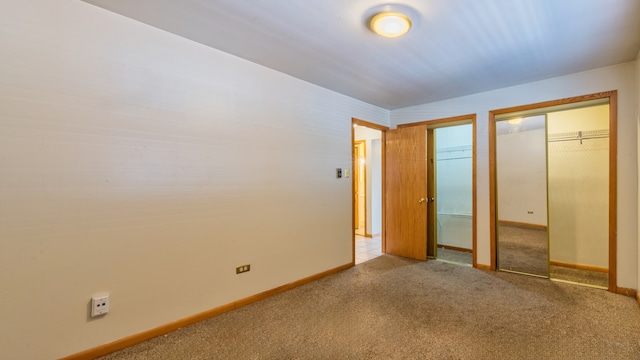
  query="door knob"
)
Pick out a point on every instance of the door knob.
point(431, 199)
point(422, 200)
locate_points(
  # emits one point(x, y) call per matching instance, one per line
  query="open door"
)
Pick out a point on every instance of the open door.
point(406, 192)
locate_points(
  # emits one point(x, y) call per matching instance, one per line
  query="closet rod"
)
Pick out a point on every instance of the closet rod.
point(579, 135)
point(580, 139)
point(454, 149)
point(455, 158)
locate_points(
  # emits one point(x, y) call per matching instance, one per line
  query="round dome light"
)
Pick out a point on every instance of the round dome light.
point(390, 24)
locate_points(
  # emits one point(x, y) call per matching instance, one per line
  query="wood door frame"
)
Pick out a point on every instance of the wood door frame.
point(613, 172)
point(432, 210)
point(383, 137)
point(356, 178)
point(453, 121)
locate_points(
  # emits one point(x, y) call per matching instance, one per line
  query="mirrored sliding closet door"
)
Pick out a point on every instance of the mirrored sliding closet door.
point(552, 176)
point(521, 179)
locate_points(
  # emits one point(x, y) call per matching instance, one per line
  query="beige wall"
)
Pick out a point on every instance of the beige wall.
point(138, 163)
point(579, 189)
point(620, 77)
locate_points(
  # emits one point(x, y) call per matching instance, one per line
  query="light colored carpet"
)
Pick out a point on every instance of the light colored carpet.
point(396, 308)
point(580, 276)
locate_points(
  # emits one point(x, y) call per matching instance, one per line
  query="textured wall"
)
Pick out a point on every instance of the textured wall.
point(139, 163)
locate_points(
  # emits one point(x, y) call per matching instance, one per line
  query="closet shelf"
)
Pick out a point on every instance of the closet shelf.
point(579, 135)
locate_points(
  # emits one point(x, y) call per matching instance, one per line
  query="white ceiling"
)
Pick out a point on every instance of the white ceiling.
point(456, 48)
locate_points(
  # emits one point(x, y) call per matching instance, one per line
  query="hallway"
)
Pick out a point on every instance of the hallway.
point(367, 248)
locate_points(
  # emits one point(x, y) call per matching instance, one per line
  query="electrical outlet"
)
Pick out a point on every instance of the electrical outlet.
point(99, 305)
point(243, 268)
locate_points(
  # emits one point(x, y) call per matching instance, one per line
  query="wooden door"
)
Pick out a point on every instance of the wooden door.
point(406, 192)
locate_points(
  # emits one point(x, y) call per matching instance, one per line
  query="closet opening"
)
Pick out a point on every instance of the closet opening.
point(445, 226)
point(451, 173)
point(553, 190)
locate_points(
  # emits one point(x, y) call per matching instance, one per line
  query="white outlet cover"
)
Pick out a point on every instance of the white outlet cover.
point(99, 305)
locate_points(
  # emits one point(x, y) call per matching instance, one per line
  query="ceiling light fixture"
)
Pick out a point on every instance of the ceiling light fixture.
point(515, 121)
point(390, 24)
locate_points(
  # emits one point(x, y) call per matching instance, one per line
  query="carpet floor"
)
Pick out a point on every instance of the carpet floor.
point(395, 308)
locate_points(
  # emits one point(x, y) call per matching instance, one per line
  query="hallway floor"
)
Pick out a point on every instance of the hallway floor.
point(367, 248)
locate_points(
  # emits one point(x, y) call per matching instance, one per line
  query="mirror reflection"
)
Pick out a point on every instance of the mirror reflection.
point(521, 178)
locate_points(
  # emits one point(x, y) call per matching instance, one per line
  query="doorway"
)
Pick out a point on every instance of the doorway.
point(431, 190)
point(453, 202)
point(553, 190)
point(368, 145)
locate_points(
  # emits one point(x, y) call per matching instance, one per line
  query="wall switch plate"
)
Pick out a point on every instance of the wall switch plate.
point(346, 173)
point(338, 173)
point(99, 305)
